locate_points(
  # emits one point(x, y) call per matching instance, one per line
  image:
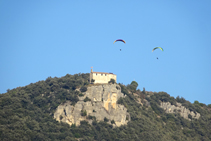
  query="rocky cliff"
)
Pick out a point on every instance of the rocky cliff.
point(101, 104)
point(184, 112)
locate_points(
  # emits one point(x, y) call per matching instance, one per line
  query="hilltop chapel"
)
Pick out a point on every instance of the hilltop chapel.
point(101, 77)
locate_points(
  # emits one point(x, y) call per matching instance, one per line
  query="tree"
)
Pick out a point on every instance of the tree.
point(189, 116)
point(83, 113)
point(87, 99)
point(134, 83)
point(60, 117)
point(83, 89)
point(196, 102)
point(92, 81)
point(143, 90)
point(106, 120)
point(112, 81)
point(133, 86)
point(112, 122)
point(27, 113)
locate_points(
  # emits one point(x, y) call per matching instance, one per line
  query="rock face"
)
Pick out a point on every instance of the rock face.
point(103, 104)
point(184, 112)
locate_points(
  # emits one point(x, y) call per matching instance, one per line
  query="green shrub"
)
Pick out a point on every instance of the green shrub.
point(87, 99)
point(112, 81)
point(117, 87)
point(202, 104)
point(77, 135)
point(112, 122)
point(143, 90)
point(106, 120)
point(83, 113)
point(189, 116)
point(91, 117)
point(83, 89)
point(80, 95)
point(60, 117)
point(73, 126)
point(92, 81)
point(133, 86)
point(196, 102)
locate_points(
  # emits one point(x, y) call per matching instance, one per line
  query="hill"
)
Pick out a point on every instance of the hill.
point(27, 113)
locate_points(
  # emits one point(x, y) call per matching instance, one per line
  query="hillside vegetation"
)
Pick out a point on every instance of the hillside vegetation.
point(26, 113)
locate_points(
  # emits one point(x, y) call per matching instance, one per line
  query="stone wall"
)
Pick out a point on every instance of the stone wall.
point(103, 104)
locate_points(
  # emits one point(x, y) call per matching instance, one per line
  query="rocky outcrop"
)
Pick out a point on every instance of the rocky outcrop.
point(184, 112)
point(103, 103)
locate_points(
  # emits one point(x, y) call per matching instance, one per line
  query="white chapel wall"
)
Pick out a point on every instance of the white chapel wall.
point(102, 77)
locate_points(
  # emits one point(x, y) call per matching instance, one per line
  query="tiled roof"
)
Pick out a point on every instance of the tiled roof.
point(103, 73)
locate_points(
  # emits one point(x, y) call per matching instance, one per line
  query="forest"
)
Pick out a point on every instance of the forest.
point(26, 114)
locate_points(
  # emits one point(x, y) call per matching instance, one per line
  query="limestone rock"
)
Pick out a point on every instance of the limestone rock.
point(103, 104)
point(184, 112)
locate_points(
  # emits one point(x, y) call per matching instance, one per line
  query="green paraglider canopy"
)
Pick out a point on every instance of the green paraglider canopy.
point(157, 48)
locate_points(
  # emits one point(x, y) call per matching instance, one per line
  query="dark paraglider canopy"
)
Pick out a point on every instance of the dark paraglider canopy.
point(119, 40)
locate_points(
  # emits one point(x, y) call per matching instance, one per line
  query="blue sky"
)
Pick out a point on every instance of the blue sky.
point(53, 38)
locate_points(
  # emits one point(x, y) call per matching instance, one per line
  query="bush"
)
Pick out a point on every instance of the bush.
point(94, 122)
point(202, 104)
point(92, 81)
point(87, 99)
point(112, 122)
point(196, 102)
point(180, 100)
point(134, 83)
point(80, 95)
point(112, 81)
point(117, 87)
point(156, 108)
point(133, 86)
point(77, 135)
point(83, 89)
point(91, 117)
point(106, 120)
point(60, 117)
point(189, 116)
point(83, 113)
point(124, 89)
point(143, 90)
point(84, 122)
point(73, 126)
point(127, 118)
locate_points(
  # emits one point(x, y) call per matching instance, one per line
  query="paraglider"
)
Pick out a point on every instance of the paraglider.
point(157, 48)
point(119, 40)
